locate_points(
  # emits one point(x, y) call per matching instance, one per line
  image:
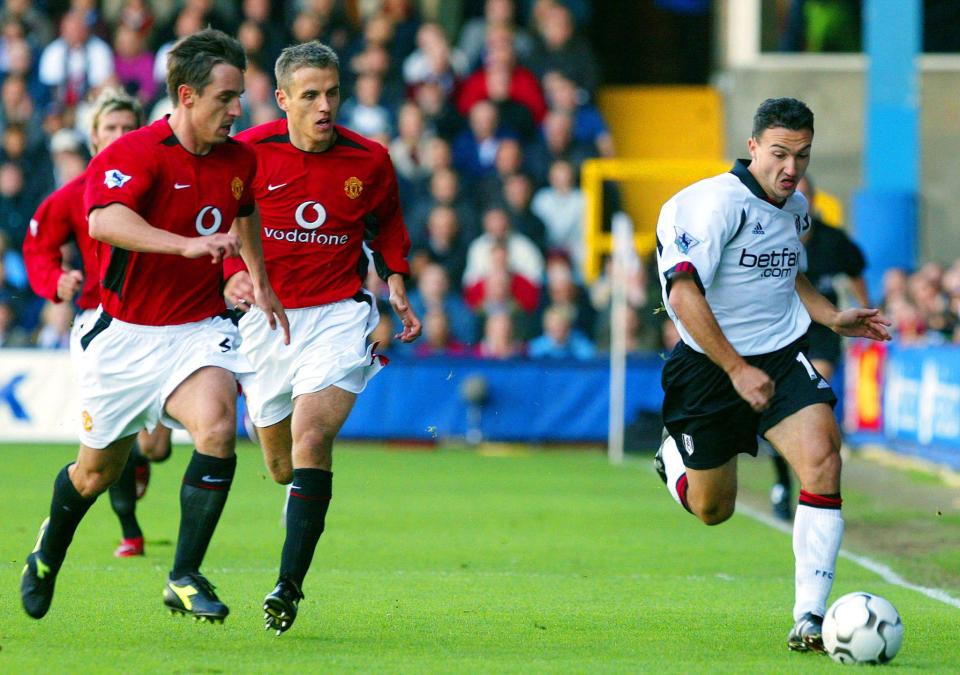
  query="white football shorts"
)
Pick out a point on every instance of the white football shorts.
point(328, 347)
point(127, 371)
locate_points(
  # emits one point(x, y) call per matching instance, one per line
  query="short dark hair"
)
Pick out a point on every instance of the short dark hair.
point(191, 60)
point(313, 54)
point(786, 113)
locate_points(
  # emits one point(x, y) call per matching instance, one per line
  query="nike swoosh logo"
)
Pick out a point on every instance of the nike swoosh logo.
point(271, 188)
point(180, 186)
point(210, 479)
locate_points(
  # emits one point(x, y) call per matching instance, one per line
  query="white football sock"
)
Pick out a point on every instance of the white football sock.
point(673, 463)
point(816, 541)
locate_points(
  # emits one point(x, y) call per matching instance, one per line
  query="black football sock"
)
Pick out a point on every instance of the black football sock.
point(67, 509)
point(307, 506)
point(206, 484)
point(123, 499)
point(783, 471)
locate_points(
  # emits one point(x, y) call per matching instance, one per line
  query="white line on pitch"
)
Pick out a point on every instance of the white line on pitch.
point(878, 568)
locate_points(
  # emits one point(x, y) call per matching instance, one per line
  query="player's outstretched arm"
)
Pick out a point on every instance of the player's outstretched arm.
point(121, 226)
point(251, 250)
point(752, 384)
point(856, 322)
point(398, 300)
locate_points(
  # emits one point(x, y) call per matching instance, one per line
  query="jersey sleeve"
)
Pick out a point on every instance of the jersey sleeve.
point(49, 230)
point(385, 232)
point(118, 176)
point(692, 232)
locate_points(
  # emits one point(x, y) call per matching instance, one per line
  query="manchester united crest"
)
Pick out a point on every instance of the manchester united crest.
point(236, 187)
point(87, 421)
point(353, 186)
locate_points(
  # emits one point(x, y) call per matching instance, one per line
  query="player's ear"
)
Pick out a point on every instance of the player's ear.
point(185, 94)
point(281, 98)
point(752, 146)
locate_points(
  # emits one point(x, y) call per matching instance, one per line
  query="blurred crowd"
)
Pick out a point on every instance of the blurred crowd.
point(924, 306)
point(487, 108)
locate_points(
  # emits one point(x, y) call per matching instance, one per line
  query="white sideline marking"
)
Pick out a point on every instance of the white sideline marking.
point(878, 568)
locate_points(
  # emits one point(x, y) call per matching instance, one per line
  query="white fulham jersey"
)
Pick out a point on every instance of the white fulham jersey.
point(743, 252)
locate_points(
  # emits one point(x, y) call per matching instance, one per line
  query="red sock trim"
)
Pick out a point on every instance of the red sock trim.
point(682, 491)
point(820, 501)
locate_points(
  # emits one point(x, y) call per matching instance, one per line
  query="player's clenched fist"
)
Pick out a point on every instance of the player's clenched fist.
point(217, 246)
point(754, 386)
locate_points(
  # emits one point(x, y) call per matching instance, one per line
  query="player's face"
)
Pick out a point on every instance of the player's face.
point(311, 101)
point(779, 160)
point(112, 126)
point(214, 110)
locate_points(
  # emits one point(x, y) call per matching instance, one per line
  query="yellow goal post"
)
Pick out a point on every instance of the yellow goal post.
point(645, 185)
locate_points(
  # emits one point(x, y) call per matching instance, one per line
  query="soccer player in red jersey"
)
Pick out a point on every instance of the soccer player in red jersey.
point(159, 201)
point(58, 220)
point(321, 191)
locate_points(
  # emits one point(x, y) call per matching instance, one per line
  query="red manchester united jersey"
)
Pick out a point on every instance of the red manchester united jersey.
point(317, 208)
point(60, 218)
point(172, 189)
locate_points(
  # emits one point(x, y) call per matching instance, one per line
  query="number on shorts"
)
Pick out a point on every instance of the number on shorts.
point(802, 358)
point(225, 346)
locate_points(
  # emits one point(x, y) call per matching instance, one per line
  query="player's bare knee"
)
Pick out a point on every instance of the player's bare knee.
point(217, 437)
point(91, 483)
point(314, 444)
point(156, 452)
point(281, 471)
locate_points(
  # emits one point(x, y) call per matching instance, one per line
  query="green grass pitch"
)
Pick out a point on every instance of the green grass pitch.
point(448, 561)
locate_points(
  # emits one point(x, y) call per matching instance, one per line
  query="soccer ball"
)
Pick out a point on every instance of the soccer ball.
point(862, 628)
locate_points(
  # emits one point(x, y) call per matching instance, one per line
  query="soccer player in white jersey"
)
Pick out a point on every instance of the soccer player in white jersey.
point(730, 263)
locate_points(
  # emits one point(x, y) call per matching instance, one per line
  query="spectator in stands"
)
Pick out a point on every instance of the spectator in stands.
point(589, 126)
point(926, 293)
point(557, 143)
point(208, 13)
point(559, 339)
point(475, 149)
point(561, 290)
point(186, 22)
point(515, 118)
point(11, 334)
point(518, 195)
point(473, 35)
point(561, 205)
point(432, 294)
point(19, 61)
point(135, 14)
point(444, 191)
point(365, 111)
point(260, 104)
point(559, 47)
point(55, 321)
point(410, 152)
point(134, 64)
point(36, 172)
point(443, 245)
point(75, 62)
point(18, 107)
point(440, 115)
point(439, 155)
point(499, 340)
point(508, 160)
point(524, 87)
point(15, 207)
point(69, 156)
point(258, 13)
point(329, 23)
point(437, 339)
point(38, 28)
point(434, 61)
point(500, 247)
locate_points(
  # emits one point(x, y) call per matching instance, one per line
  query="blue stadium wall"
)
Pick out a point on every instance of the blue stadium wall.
point(412, 399)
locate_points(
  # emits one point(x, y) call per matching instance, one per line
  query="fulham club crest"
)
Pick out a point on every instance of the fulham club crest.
point(353, 186)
